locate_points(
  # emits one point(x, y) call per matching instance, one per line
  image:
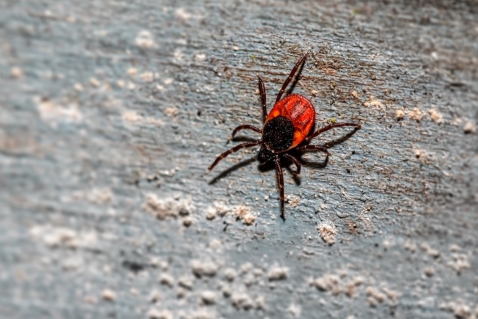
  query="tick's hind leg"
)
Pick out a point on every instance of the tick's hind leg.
point(245, 127)
point(296, 162)
point(233, 150)
point(331, 126)
point(319, 148)
point(280, 176)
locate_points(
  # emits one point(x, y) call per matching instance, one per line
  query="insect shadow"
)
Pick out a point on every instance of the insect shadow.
point(232, 169)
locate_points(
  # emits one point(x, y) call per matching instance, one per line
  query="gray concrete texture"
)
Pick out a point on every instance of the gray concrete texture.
point(111, 112)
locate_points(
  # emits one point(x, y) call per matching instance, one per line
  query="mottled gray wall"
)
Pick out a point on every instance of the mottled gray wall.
point(111, 111)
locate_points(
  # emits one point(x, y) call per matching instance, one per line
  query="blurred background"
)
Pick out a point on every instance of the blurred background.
point(111, 112)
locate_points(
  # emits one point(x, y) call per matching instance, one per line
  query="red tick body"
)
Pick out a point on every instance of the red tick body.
point(299, 111)
point(286, 127)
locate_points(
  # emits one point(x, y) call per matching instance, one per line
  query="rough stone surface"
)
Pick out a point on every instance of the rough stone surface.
point(111, 111)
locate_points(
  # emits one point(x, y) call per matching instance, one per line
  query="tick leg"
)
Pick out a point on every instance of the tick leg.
point(291, 76)
point(296, 162)
point(233, 150)
point(280, 176)
point(314, 148)
point(245, 127)
point(262, 89)
point(331, 126)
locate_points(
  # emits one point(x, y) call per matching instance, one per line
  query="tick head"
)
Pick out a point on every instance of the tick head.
point(265, 155)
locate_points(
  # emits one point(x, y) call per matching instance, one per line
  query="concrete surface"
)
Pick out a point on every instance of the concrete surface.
point(111, 112)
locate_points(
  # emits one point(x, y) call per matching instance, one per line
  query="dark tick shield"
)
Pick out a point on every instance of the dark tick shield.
point(286, 127)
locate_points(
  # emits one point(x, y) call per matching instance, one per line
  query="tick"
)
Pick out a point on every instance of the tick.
point(287, 127)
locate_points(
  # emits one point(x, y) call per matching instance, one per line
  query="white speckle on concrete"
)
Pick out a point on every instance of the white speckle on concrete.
point(131, 116)
point(65, 237)
point(374, 296)
point(208, 297)
point(469, 127)
point(229, 274)
point(187, 221)
point(260, 303)
point(95, 82)
point(54, 112)
point(294, 310)
point(327, 231)
point(429, 271)
point(327, 283)
point(72, 263)
point(152, 120)
point(221, 208)
point(243, 213)
point(423, 156)
point(391, 294)
point(154, 296)
point(215, 244)
point(454, 248)
point(459, 262)
point(202, 314)
point(100, 196)
point(245, 268)
point(416, 114)
point(186, 282)
point(430, 251)
point(241, 300)
point(171, 111)
point(277, 273)
point(204, 268)
point(399, 114)
point(436, 116)
point(182, 14)
point(144, 39)
point(166, 279)
point(210, 213)
point(147, 76)
point(200, 57)
point(154, 313)
point(132, 71)
point(410, 246)
point(16, 72)
point(169, 207)
point(226, 291)
point(351, 288)
point(130, 85)
point(78, 87)
point(181, 293)
point(109, 295)
point(372, 102)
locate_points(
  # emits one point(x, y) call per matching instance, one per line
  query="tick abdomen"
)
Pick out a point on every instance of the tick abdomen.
point(299, 113)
